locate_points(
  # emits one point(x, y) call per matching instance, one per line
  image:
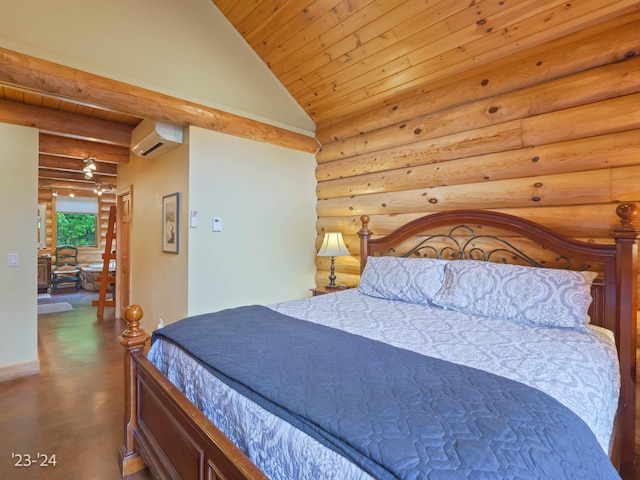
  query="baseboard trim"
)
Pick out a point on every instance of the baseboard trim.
point(18, 370)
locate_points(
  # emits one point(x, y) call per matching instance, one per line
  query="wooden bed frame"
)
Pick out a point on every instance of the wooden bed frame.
point(167, 433)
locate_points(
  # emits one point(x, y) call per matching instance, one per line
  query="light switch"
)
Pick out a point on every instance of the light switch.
point(217, 224)
point(193, 219)
point(13, 260)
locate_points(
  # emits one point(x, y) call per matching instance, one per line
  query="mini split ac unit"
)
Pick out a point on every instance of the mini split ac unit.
point(150, 138)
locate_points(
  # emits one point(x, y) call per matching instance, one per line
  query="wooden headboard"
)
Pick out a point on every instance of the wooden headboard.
point(494, 236)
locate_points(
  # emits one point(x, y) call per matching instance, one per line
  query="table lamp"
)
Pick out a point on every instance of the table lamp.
point(333, 246)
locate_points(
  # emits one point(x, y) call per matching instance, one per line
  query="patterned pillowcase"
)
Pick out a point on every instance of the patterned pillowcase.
point(535, 296)
point(414, 280)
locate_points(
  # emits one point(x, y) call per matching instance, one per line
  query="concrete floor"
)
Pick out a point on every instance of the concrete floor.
point(74, 408)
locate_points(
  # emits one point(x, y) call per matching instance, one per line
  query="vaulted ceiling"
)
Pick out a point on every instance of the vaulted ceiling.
point(337, 58)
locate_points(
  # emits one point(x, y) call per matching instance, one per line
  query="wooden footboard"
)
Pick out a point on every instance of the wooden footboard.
point(164, 430)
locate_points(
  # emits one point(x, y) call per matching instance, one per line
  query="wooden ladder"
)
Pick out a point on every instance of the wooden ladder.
point(105, 278)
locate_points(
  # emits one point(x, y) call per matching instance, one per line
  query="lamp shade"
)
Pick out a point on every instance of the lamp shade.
point(333, 245)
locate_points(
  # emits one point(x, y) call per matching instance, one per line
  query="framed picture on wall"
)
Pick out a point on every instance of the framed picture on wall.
point(170, 222)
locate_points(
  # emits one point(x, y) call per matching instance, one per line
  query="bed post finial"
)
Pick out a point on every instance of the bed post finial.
point(364, 233)
point(132, 315)
point(626, 237)
point(133, 339)
point(627, 213)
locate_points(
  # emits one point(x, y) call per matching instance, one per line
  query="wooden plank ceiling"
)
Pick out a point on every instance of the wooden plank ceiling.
point(70, 133)
point(337, 58)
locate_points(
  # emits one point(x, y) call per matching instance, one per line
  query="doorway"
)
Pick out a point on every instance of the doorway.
point(124, 211)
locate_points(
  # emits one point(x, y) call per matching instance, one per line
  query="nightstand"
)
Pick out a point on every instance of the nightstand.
point(322, 290)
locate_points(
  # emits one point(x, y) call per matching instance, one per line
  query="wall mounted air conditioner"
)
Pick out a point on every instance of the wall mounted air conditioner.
point(151, 138)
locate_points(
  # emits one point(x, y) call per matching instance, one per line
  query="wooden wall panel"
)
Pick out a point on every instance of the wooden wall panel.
point(552, 134)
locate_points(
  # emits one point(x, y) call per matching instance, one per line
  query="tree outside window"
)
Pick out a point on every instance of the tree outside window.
point(76, 229)
point(77, 221)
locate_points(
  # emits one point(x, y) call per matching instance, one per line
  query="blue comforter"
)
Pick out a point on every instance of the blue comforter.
point(395, 413)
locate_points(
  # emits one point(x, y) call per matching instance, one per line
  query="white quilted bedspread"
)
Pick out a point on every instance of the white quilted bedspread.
point(580, 369)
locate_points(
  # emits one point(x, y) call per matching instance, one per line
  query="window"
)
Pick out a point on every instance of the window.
point(77, 221)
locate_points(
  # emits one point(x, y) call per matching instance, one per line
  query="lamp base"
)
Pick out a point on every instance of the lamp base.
point(332, 277)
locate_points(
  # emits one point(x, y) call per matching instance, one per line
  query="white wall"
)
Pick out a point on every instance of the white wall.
point(158, 279)
point(182, 48)
point(18, 285)
point(188, 50)
point(265, 196)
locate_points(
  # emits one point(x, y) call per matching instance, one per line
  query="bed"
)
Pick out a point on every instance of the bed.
point(463, 308)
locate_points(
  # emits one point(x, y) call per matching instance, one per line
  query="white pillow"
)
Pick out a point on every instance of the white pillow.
point(535, 296)
point(414, 280)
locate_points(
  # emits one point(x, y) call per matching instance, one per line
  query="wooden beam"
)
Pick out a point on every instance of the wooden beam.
point(73, 164)
point(481, 141)
point(65, 124)
point(63, 185)
point(596, 153)
point(608, 116)
point(547, 190)
point(46, 173)
point(74, 148)
point(589, 221)
point(24, 71)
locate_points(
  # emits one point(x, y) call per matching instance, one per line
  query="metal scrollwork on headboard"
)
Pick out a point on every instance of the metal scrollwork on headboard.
point(461, 243)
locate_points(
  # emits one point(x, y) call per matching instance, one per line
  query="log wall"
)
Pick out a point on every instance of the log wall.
point(552, 134)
